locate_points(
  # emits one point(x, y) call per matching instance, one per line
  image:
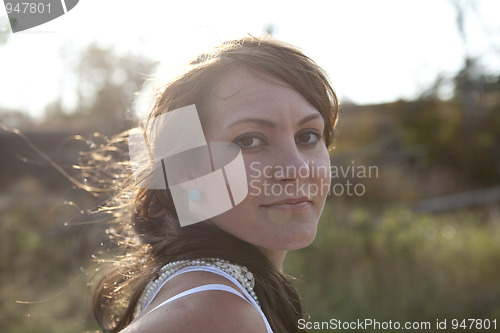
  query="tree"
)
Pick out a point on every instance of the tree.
point(104, 83)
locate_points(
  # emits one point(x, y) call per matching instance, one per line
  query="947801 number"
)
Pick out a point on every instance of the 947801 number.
point(474, 324)
point(28, 7)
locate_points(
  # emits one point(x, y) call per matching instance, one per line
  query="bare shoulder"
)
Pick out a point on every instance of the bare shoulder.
point(206, 311)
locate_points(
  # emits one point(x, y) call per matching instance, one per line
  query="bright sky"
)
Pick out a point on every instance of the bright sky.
point(373, 51)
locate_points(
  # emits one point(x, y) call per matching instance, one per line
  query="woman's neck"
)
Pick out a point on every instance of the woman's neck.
point(276, 257)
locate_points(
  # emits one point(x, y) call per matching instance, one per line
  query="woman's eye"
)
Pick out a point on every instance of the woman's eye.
point(249, 141)
point(308, 138)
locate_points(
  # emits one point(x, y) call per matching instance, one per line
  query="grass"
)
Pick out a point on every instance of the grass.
point(378, 262)
point(392, 264)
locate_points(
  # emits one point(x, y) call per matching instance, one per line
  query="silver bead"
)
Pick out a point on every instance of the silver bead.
point(239, 273)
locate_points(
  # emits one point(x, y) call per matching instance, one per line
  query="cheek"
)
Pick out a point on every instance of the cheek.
point(258, 173)
point(321, 171)
point(258, 168)
point(241, 221)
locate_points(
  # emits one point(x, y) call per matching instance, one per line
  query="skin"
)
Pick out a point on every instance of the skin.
point(281, 136)
point(276, 128)
point(201, 312)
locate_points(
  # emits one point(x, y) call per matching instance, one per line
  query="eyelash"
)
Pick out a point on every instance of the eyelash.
point(310, 132)
point(249, 136)
point(256, 136)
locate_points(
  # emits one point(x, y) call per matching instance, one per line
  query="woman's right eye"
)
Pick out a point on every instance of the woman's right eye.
point(249, 141)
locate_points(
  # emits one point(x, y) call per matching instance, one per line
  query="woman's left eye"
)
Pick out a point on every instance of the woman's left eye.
point(308, 137)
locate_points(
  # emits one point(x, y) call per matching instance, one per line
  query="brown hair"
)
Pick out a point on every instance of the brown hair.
point(148, 226)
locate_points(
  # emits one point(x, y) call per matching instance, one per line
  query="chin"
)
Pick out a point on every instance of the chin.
point(303, 244)
point(300, 240)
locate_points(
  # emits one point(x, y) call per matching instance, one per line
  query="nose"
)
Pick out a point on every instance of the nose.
point(290, 164)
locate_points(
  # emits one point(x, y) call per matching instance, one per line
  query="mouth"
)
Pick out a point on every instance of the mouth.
point(293, 204)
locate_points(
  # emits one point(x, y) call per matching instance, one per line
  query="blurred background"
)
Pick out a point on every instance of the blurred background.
point(411, 231)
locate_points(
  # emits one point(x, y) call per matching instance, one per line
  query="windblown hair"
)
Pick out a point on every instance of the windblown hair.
point(146, 225)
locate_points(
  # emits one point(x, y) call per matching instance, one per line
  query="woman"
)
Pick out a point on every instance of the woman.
point(224, 274)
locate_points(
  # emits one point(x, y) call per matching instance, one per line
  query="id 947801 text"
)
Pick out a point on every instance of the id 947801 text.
point(28, 7)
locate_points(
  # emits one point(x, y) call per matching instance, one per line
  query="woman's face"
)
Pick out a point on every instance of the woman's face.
point(287, 164)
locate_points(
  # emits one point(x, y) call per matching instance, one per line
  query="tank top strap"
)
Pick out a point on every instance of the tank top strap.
point(243, 293)
point(203, 269)
point(206, 287)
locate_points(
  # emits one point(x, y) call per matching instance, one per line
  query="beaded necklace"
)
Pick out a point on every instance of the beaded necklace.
point(239, 273)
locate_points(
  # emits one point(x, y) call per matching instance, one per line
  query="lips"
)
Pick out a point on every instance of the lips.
point(290, 203)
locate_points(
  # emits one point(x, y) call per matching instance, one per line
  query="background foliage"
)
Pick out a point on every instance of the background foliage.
point(375, 256)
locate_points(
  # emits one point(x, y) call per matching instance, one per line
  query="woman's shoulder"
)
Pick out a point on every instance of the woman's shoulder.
point(217, 308)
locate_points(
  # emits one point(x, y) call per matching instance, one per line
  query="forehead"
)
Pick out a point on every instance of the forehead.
point(244, 93)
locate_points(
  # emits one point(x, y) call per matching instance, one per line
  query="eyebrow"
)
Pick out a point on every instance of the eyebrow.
point(268, 123)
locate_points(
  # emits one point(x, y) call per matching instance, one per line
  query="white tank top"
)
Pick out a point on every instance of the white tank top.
point(221, 287)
